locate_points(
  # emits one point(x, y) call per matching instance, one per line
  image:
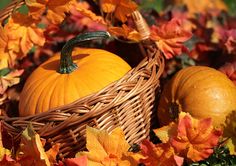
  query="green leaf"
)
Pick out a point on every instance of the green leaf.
point(4, 72)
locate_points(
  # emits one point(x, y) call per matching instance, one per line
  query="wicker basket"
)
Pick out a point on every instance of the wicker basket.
point(127, 103)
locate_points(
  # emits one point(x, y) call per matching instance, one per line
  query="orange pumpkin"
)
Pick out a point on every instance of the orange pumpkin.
point(202, 91)
point(92, 69)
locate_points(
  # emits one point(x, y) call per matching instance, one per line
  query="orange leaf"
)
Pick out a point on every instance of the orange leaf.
point(52, 153)
point(31, 150)
point(160, 154)
point(56, 9)
point(125, 32)
point(23, 31)
point(8, 49)
point(170, 37)
point(88, 13)
point(121, 8)
point(195, 138)
point(105, 148)
point(9, 80)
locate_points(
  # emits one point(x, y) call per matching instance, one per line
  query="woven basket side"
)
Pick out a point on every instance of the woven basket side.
point(127, 103)
point(10, 8)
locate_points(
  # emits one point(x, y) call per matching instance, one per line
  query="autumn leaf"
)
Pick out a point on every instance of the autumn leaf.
point(23, 32)
point(160, 154)
point(31, 150)
point(83, 9)
point(80, 161)
point(202, 6)
point(228, 38)
point(195, 138)
point(52, 153)
point(8, 49)
point(164, 133)
point(125, 32)
point(4, 152)
point(11, 78)
point(104, 148)
point(230, 132)
point(120, 8)
point(230, 70)
point(55, 9)
point(170, 38)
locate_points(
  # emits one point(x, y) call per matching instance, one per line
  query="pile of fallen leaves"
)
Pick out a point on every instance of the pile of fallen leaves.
point(186, 141)
point(196, 32)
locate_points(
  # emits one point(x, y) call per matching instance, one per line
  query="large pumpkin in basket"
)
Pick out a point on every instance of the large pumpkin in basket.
point(201, 91)
point(92, 70)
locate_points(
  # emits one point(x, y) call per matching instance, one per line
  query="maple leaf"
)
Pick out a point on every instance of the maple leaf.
point(160, 154)
point(121, 8)
point(55, 9)
point(8, 49)
point(80, 161)
point(9, 78)
point(230, 70)
point(31, 150)
point(82, 18)
point(83, 9)
point(195, 138)
point(104, 148)
point(125, 32)
point(170, 37)
point(229, 39)
point(23, 31)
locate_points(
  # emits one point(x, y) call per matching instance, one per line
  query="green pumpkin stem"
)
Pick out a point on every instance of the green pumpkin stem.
point(66, 63)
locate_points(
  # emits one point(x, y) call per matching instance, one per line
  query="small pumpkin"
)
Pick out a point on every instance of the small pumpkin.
point(88, 72)
point(199, 90)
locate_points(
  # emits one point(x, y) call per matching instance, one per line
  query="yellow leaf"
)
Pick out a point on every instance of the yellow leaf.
point(230, 144)
point(104, 148)
point(3, 152)
point(164, 133)
point(31, 149)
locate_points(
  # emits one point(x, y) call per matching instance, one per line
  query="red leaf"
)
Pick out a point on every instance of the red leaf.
point(196, 138)
point(79, 161)
point(170, 37)
point(230, 70)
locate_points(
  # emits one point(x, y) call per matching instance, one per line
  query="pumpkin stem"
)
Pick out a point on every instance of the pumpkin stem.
point(66, 63)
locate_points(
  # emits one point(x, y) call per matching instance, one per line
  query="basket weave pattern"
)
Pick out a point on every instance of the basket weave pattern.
point(127, 103)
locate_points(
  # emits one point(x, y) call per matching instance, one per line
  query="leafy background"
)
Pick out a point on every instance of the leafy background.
point(155, 4)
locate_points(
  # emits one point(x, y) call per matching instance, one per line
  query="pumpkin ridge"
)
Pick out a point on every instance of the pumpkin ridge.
point(185, 78)
point(46, 95)
point(32, 83)
point(31, 95)
point(56, 98)
point(190, 85)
